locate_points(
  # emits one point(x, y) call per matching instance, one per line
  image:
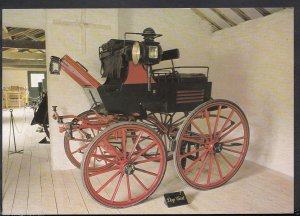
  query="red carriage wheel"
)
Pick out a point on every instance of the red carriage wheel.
point(75, 146)
point(211, 144)
point(131, 178)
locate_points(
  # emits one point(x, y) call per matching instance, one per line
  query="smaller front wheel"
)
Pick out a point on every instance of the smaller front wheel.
point(211, 144)
point(137, 159)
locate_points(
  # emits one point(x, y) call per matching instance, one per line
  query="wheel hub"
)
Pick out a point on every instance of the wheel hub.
point(129, 169)
point(218, 147)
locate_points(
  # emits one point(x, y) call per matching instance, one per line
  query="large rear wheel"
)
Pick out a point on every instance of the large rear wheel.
point(211, 144)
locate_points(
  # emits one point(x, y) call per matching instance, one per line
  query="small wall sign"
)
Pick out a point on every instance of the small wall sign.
point(175, 199)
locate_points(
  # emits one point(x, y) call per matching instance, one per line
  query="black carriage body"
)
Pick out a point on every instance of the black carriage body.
point(164, 97)
point(170, 92)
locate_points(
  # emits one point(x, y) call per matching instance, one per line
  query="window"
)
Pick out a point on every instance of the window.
point(35, 79)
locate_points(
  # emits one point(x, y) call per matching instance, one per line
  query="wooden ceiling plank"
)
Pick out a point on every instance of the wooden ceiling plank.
point(28, 56)
point(239, 12)
point(222, 16)
point(263, 11)
point(24, 67)
point(24, 44)
point(31, 36)
point(203, 16)
point(16, 31)
point(15, 62)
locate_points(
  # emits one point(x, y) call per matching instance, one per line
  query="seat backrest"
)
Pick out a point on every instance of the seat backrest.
point(170, 54)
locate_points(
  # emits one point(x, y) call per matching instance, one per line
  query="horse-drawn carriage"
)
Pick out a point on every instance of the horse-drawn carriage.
point(143, 117)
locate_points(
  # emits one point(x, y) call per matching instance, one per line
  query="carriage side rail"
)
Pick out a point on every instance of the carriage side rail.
point(180, 67)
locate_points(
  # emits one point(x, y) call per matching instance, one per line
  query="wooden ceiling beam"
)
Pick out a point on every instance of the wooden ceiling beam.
point(24, 67)
point(223, 16)
point(30, 36)
point(203, 16)
point(241, 14)
point(263, 11)
point(22, 62)
point(25, 56)
point(23, 44)
point(16, 32)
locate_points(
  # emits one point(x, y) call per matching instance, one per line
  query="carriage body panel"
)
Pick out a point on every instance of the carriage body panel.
point(165, 96)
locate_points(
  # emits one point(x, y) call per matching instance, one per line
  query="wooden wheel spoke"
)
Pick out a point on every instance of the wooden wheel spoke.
point(198, 129)
point(225, 124)
point(103, 171)
point(232, 140)
point(145, 171)
point(228, 132)
point(231, 150)
point(143, 151)
point(124, 142)
point(206, 113)
point(218, 166)
point(165, 120)
point(117, 187)
point(108, 181)
point(193, 140)
point(105, 158)
point(200, 169)
point(112, 148)
point(217, 120)
point(135, 144)
point(101, 153)
point(194, 162)
point(140, 182)
point(210, 168)
point(128, 187)
point(191, 152)
point(93, 132)
point(161, 119)
point(181, 118)
point(80, 148)
point(225, 159)
point(150, 159)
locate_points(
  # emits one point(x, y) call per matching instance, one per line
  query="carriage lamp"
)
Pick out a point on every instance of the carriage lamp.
point(153, 52)
point(54, 67)
point(148, 51)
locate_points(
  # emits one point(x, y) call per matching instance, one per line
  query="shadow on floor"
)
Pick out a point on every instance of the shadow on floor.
point(247, 169)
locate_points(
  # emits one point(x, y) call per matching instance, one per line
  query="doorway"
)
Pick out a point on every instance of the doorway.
point(36, 83)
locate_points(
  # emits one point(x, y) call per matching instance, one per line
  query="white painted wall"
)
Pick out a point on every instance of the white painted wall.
point(24, 18)
point(14, 78)
point(252, 65)
point(67, 39)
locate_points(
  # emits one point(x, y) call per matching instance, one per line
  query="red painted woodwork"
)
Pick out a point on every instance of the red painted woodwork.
point(77, 72)
point(137, 74)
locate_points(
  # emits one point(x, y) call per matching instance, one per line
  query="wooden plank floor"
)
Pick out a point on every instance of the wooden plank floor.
point(30, 186)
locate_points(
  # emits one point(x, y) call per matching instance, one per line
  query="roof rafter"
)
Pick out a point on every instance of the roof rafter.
point(203, 16)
